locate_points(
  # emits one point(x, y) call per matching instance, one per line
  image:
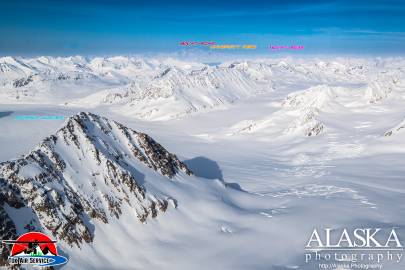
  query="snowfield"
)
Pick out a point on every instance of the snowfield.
point(277, 148)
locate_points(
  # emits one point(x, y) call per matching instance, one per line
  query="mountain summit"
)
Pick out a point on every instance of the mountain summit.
point(86, 171)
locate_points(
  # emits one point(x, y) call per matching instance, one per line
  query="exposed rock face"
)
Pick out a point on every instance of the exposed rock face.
point(7, 226)
point(23, 81)
point(86, 171)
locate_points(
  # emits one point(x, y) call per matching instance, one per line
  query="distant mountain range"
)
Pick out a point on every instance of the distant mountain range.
point(167, 89)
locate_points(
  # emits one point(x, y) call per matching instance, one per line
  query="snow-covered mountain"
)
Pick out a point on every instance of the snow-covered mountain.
point(105, 191)
point(304, 112)
point(87, 170)
point(297, 113)
point(166, 89)
point(177, 91)
point(315, 142)
point(144, 89)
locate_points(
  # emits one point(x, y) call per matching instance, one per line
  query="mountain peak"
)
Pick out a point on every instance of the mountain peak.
point(87, 171)
point(119, 143)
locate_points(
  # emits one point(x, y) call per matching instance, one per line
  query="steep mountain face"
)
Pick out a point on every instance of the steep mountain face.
point(86, 171)
point(7, 226)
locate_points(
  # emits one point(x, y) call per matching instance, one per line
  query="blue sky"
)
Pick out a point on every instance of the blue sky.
point(97, 27)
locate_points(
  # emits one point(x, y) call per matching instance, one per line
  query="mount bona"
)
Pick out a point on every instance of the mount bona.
point(87, 170)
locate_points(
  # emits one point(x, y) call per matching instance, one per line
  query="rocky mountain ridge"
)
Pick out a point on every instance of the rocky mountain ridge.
point(86, 171)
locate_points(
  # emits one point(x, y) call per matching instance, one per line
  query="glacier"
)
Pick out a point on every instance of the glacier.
point(276, 147)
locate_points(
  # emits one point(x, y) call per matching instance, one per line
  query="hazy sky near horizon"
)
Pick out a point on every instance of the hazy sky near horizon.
point(97, 27)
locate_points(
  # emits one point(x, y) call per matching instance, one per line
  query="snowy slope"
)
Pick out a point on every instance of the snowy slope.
point(397, 130)
point(95, 181)
point(145, 89)
point(165, 89)
point(322, 146)
point(177, 91)
point(87, 170)
point(301, 112)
